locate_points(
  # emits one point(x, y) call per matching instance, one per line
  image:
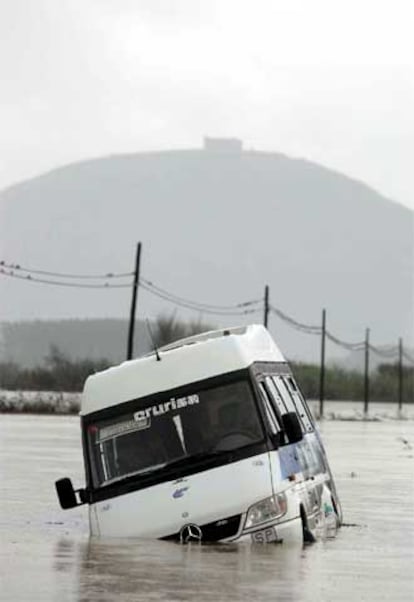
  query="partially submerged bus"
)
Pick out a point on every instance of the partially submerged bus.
point(207, 439)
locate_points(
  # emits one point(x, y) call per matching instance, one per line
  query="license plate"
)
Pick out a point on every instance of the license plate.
point(265, 536)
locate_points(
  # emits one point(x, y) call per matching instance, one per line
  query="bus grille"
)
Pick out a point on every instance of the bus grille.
point(219, 529)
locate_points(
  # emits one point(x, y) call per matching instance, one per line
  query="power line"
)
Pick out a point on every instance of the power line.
point(387, 351)
point(203, 309)
point(29, 278)
point(20, 268)
point(157, 289)
point(309, 329)
point(346, 345)
point(171, 298)
point(239, 309)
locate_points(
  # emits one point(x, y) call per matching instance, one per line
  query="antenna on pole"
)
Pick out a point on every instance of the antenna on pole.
point(130, 348)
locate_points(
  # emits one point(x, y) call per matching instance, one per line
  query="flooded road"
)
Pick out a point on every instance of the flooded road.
point(46, 554)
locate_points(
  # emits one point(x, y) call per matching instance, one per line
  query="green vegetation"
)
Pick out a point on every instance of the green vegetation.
point(168, 329)
point(345, 384)
point(57, 373)
point(60, 373)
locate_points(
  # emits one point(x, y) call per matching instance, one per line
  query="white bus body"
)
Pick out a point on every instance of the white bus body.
point(210, 439)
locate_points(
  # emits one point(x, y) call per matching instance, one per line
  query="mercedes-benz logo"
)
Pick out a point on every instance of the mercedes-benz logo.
point(190, 532)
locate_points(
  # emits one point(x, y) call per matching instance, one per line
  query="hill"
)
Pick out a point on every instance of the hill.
point(216, 227)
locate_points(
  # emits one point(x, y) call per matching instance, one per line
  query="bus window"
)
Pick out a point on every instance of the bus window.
point(286, 395)
point(270, 415)
point(275, 396)
point(300, 403)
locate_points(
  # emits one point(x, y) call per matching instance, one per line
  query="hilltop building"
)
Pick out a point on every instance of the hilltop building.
point(223, 145)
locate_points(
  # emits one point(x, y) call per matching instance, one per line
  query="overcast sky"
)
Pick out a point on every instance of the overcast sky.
point(331, 81)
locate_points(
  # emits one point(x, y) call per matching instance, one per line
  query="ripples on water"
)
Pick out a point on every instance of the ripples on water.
point(46, 554)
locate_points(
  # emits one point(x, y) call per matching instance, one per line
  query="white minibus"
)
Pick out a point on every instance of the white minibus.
point(207, 439)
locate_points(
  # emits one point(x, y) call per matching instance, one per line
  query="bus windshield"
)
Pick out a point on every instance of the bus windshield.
point(153, 435)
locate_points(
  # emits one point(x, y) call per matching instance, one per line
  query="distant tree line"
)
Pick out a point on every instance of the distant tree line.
point(168, 328)
point(57, 373)
point(60, 373)
point(342, 384)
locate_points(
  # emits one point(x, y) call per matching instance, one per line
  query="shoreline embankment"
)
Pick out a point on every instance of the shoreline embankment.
point(39, 402)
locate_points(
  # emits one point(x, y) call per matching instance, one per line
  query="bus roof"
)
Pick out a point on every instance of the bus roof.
point(188, 360)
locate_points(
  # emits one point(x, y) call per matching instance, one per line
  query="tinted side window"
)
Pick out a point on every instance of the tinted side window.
point(300, 403)
point(272, 419)
point(275, 396)
point(284, 392)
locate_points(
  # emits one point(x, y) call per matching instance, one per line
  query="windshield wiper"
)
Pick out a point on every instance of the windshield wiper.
point(135, 473)
point(199, 456)
point(183, 461)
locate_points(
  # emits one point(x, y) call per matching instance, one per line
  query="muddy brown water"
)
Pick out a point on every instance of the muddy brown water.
point(46, 553)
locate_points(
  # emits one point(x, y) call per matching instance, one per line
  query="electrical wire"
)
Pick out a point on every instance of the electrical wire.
point(65, 275)
point(30, 278)
point(388, 351)
point(178, 301)
point(200, 305)
point(188, 305)
point(239, 309)
point(344, 344)
point(306, 328)
point(61, 275)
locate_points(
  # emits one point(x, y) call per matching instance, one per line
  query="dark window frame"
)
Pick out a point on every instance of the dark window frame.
point(262, 370)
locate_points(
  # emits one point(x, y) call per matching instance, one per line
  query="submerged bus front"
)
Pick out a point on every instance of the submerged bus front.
point(197, 455)
point(231, 457)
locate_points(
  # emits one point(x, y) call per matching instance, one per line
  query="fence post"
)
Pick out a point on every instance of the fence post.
point(130, 348)
point(366, 378)
point(400, 374)
point(266, 306)
point(322, 369)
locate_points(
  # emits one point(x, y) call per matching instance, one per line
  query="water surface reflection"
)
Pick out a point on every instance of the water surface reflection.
point(126, 570)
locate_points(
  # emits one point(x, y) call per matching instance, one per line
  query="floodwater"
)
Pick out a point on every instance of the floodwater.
point(46, 553)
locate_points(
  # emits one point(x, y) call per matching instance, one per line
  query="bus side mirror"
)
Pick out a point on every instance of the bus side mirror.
point(66, 494)
point(292, 428)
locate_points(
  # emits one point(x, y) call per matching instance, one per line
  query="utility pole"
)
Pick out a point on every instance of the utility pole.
point(366, 378)
point(322, 370)
point(266, 306)
point(130, 349)
point(400, 374)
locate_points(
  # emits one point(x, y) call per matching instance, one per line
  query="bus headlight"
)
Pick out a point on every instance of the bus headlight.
point(265, 510)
